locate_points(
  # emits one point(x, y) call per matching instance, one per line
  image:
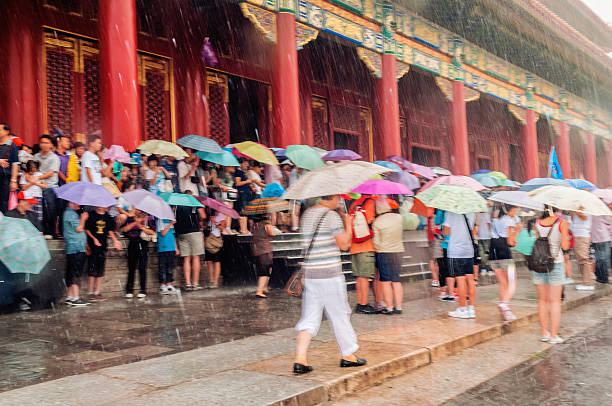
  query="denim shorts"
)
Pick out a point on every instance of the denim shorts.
point(389, 265)
point(460, 267)
point(556, 277)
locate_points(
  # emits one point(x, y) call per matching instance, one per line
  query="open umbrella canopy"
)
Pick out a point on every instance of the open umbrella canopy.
point(480, 171)
point(341, 155)
point(605, 194)
point(536, 183)
point(199, 143)
point(257, 152)
point(223, 158)
point(516, 198)
point(568, 198)
point(401, 161)
point(321, 151)
point(218, 206)
point(116, 153)
point(497, 174)
point(86, 194)
point(382, 187)
point(487, 180)
point(334, 179)
point(180, 199)
point(149, 203)
point(265, 206)
point(304, 156)
point(581, 184)
point(23, 248)
point(405, 178)
point(161, 147)
point(459, 180)
point(391, 166)
point(453, 198)
point(273, 190)
point(510, 183)
point(421, 170)
point(440, 171)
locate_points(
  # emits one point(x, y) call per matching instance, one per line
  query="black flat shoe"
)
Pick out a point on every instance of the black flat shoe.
point(261, 296)
point(347, 364)
point(300, 369)
point(387, 312)
point(397, 311)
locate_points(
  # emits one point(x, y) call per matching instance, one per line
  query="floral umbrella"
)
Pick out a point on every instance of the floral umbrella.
point(453, 198)
point(23, 248)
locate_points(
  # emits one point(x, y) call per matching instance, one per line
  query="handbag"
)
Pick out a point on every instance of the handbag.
point(148, 237)
point(213, 244)
point(295, 284)
point(195, 180)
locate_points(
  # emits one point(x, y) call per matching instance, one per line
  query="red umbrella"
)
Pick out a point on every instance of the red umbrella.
point(218, 206)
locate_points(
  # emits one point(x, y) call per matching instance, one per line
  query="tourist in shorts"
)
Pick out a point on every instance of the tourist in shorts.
point(190, 241)
point(75, 241)
point(166, 248)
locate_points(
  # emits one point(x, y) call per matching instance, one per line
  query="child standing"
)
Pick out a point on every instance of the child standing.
point(263, 232)
point(32, 187)
point(99, 226)
point(75, 241)
point(137, 230)
point(166, 247)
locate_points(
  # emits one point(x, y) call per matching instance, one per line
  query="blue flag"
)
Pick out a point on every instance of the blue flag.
point(553, 165)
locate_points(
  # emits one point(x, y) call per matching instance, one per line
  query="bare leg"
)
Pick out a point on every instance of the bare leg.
point(216, 272)
point(195, 267)
point(243, 225)
point(554, 306)
point(543, 308)
point(378, 294)
point(301, 349)
point(502, 280)
point(461, 290)
point(187, 270)
point(398, 294)
point(568, 265)
point(450, 286)
point(262, 284)
point(387, 294)
point(361, 287)
point(435, 272)
point(471, 287)
point(92, 280)
point(98, 284)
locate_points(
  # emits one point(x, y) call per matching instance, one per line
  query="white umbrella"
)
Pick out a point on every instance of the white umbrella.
point(605, 194)
point(568, 198)
point(517, 198)
point(333, 179)
point(440, 171)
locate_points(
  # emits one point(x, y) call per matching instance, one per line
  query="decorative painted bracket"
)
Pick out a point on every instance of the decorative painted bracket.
point(402, 68)
point(372, 60)
point(556, 127)
point(446, 87)
point(519, 113)
point(304, 34)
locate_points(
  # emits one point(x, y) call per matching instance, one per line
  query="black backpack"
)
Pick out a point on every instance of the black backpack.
point(541, 259)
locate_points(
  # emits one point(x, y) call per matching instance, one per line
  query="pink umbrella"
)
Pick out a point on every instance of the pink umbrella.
point(382, 187)
point(417, 169)
point(465, 181)
point(218, 206)
point(116, 153)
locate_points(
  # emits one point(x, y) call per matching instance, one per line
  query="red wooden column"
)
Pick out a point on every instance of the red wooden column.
point(563, 150)
point(530, 146)
point(590, 171)
point(285, 85)
point(195, 112)
point(609, 162)
point(119, 73)
point(388, 104)
point(460, 147)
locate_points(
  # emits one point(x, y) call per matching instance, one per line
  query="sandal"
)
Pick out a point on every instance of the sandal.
point(260, 296)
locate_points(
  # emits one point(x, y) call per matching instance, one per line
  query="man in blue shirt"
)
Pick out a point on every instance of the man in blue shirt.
point(75, 240)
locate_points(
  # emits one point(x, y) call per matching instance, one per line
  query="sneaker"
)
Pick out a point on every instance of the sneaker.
point(388, 312)
point(129, 295)
point(460, 313)
point(380, 306)
point(585, 287)
point(507, 313)
point(483, 272)
point(141, 295)
point(471, 312)
point(491, 273)
point(188, 288)
point(196, 287)
point(456, 295)
point(68, 301)
point(435, 284)
point(569, 281)
point(365, 309)
point(164, 290)
point(171, 289)
point(397, 310)
point(545, 338)
point(96, 298)
point(48, 237)
point(78, 303)
point(556, 340)
point(213, 286)
point(447, 298)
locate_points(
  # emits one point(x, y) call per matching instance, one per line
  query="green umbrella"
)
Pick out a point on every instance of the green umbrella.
point(180, 199)
point(487, 180)
point(304, 156)
point(22, 248)
point(453, 198)
point(225, 158)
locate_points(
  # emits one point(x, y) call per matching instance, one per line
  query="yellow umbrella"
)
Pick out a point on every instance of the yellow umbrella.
point(257, 151)
point(161, 147)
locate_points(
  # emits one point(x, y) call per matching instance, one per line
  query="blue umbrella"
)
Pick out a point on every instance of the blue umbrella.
point(581, 184)
point(487, 180)
point(224, 158)
point(393, 167)
point(200, 143)
point(180, 199)
point(86, 194)
point(273, 190)
point(481, 171)
point(536, 183)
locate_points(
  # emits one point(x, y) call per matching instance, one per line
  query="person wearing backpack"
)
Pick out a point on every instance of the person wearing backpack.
point(553, 238)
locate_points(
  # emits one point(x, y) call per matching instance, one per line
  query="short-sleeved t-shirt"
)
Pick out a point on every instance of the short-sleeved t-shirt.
point(370, 213)
point(33, 191)
point(49, 163)
point(324, 259)
point(187, 220)
point(75, 242)
point(186, 184)
point(484, 226)
point(9, 151)
point(166, 242)
point(91, 161)
point(99, 225)
point(499, 226)
point(460, 242)
point(246, 188)
point(580, 227)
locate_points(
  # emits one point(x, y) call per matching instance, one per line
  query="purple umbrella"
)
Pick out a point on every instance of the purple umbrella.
point(218, 206)
point(208, 54)
point(149, 203)
point(421, 170)
point(86, 194)
point(402, 162)
point(341, 155)
point(116, 153)
point(382, 187)
point(406, 179)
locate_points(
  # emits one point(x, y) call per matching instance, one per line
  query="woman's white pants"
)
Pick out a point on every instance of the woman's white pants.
point(329, 295)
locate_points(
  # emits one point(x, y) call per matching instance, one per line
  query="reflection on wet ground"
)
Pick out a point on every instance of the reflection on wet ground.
point(574, 373)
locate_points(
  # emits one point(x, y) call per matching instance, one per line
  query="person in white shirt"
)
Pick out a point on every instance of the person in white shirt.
point(187, 172)
point(91, 167)
point(484, 240)
point(255, 175)
point(32, 187)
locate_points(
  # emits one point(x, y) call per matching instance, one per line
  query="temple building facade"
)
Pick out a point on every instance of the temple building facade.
point(466, 85)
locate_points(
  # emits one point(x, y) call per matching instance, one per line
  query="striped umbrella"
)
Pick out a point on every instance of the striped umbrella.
point(265, 206)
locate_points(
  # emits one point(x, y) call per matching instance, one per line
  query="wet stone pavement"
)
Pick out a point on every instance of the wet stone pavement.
point(577, 372)
point(50, 344)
